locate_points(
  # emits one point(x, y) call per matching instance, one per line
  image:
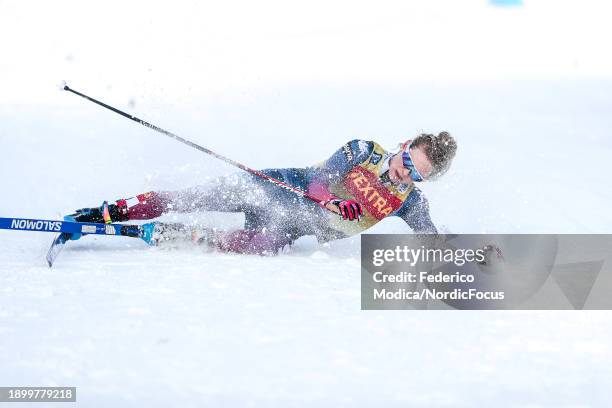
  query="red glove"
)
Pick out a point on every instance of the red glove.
point(349, 209)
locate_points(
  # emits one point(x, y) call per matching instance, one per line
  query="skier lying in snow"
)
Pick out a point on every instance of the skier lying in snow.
point(364, 182)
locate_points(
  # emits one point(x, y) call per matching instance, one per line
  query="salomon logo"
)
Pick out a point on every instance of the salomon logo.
point(35, 225)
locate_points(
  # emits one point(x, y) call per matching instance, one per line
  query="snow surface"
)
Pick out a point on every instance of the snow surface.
point(272, 84)
point(132, 325)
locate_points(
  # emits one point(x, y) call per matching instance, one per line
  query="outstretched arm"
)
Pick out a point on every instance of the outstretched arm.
point(415, 212)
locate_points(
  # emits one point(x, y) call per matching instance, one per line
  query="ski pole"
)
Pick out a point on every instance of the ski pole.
point(234, 163)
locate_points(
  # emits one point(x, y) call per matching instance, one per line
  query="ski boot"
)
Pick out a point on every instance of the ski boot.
point(106, 213)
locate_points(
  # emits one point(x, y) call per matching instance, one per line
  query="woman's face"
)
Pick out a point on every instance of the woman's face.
point(400, 174)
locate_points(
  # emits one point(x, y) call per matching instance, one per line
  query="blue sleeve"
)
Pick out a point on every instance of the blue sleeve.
point(415, 211)
point(331, 170)
point(344, 159)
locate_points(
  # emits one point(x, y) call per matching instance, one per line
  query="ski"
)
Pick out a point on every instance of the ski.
point(152, 233)
point(67, 229)
point(71, 227)
point(56, 247)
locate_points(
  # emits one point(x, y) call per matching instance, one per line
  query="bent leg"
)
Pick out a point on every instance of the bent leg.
point(234, 193)
point(242, 241)
point(251, 242)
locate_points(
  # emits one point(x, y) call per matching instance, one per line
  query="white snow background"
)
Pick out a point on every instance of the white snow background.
point(526, 91)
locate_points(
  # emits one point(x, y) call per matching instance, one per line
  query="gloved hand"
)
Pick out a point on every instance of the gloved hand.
point(349, 209)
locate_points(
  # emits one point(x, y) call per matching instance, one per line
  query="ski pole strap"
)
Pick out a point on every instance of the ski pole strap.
point(106, 213)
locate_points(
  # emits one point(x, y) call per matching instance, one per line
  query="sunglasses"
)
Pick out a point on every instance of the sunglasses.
point(407, 159)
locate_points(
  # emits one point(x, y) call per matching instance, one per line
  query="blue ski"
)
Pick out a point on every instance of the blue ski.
point(56, 247)
point(67, 229)
point(27, 224)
